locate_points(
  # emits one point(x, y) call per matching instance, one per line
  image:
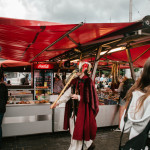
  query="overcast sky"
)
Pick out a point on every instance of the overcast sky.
point(75, 11)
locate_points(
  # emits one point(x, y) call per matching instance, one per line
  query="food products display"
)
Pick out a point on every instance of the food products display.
point(42, 101)
point(25, 96)
point(42, 87)
point(28, 102)
point(107, 97)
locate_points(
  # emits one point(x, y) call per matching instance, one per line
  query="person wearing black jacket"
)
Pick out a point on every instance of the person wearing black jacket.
point(3, 101)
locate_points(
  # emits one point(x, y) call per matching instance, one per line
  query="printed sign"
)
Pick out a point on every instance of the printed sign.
point(43, 66)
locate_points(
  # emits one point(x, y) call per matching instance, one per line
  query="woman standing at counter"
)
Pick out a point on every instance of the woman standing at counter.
point(58, 85)
point(3, 101)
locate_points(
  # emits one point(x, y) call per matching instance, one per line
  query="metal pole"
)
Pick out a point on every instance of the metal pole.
point(63, 36)
point(141, 55)
point(96, 62)
point(53, 120)
point(130, 11)
point(130, 64)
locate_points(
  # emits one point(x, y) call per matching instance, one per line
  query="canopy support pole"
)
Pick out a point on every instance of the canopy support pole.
point(130, 63)
point(72, 40)
point(96, 62)
point(63, 36)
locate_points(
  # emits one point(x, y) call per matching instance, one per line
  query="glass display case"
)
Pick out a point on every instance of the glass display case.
point(18, 94)
point(43, 84)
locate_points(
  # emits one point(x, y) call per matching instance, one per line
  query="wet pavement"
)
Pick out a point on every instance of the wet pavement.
point(106, 139)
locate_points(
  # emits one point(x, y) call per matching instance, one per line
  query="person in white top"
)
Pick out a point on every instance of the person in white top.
point(139, 109)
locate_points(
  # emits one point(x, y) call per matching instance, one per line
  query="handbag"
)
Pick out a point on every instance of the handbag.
point(139, 142)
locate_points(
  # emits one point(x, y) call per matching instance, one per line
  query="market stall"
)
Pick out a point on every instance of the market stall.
point(54, 42)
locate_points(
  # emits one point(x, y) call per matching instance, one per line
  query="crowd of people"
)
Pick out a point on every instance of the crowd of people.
point(103, 81)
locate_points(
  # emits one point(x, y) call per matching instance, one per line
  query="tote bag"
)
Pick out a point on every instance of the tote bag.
point(139, 142)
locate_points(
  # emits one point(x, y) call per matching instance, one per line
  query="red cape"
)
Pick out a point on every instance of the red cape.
point(85, 126)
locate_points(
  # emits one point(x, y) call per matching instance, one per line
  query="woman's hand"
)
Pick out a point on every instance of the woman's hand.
point(74, 96)
point(54, 106)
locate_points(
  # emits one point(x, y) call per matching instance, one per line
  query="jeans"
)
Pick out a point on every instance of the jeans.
point(1, 119)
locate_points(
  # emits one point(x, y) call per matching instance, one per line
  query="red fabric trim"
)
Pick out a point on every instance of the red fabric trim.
point(87, 111)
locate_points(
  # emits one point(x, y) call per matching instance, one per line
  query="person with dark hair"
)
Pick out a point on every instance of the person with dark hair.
point(124, 86)
point(58, 85)
point(8, 82)
point(138, 99)
point(3, 101)
point(26, 81)
point(100, 85)
point(81, 110)
point(64, 79)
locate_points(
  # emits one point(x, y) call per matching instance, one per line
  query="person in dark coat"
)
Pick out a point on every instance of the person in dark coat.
point(3, 101)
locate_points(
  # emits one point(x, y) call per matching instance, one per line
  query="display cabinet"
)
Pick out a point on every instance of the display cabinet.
point(20, 93)
point(43, 84)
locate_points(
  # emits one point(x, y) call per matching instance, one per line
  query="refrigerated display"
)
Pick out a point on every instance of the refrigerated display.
point(43, 84)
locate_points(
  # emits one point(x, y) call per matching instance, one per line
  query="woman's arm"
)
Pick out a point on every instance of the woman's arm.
point(65, 97)
point(120, 88)
point(127, 125)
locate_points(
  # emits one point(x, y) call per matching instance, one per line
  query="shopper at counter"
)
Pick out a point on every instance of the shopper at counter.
point(3, 101)
point(81, 110)
point(8, 82)
point(58, 85)
point(26, 81)
point(124, 86)
point(64, 79)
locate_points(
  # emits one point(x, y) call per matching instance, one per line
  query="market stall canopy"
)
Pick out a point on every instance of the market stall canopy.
point(12, 65)
point(139, 56)
point(29, 41)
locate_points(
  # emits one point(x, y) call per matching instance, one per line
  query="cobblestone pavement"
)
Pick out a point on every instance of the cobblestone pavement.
point(106, 139)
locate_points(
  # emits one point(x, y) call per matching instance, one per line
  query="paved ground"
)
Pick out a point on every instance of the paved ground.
point(106, 139)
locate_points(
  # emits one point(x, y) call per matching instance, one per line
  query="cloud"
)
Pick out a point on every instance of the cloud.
point(74, 11)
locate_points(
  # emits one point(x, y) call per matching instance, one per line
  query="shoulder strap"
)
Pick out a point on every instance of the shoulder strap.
point(125, 120)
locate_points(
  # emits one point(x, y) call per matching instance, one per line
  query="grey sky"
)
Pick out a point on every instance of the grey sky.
point(74, 11)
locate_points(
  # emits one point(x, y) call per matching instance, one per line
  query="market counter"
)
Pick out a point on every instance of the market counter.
point(23, 119)
point(108, 115)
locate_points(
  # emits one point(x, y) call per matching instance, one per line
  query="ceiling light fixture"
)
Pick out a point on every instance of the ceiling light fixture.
point(114, 50)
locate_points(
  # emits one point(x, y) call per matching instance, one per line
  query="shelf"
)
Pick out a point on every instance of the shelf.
point(42, 89)
point(20, 95)
point(20, 89)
